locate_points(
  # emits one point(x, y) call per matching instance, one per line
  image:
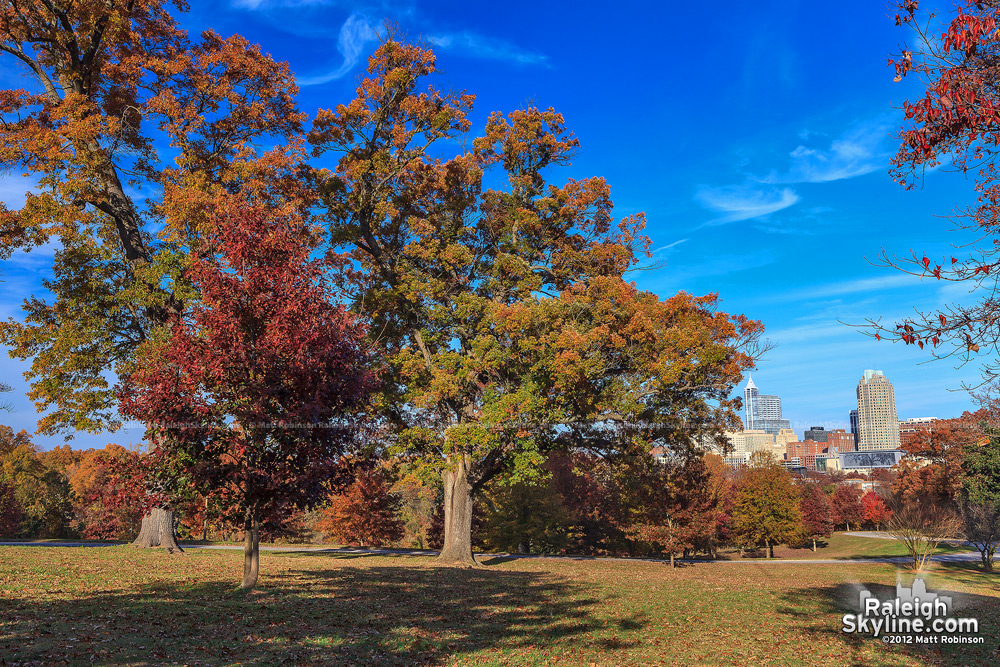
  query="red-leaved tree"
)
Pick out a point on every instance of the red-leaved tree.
point(846, 505)
point(874, 510)
point(817, 516)
point(366, 513)
point(118, 496)
point(10, 511)
point(252, 393)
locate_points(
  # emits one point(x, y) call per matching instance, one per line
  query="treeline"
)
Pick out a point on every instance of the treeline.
point(577, 503)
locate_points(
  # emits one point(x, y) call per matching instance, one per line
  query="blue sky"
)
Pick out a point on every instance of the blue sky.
point(755, 136)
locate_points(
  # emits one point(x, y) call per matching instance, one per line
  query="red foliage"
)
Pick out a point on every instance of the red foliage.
point(249, 398)
point(365, 514)
point(817, 514)
point(118, 496)
point(874, 509)
point(10, 512)
point(933, 465)
point(846, 505)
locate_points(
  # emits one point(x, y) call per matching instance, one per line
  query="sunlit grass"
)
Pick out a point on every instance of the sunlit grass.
point(120, 606)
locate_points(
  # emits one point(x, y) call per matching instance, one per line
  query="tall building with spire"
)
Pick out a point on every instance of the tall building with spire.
point(762, 411)
point(751, 400)
point(878, 427)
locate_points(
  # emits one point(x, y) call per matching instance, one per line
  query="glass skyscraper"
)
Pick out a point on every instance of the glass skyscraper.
point(762, 411)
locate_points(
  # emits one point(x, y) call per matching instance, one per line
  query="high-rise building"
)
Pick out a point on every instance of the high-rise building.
point(762, 411)
point(878, 427)
point(750, 405)
point(854, 427)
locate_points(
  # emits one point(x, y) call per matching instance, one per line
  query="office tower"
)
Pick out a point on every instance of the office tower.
point(878, 427)
point(854, 427)
point(750, 405)
point(763, 411)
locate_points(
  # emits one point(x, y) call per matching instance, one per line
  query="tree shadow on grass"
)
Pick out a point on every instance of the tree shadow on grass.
point(344, 616)
point(799, 609)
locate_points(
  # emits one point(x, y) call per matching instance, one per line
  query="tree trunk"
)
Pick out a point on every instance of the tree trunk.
point(814, 545)
point(457, 548)
point(158, 531)
point(671, 559)
point(770, 548)
point(251, 554)
point(204, 523)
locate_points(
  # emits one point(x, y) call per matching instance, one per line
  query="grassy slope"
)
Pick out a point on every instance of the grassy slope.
point(116, 606)
point(840, 545)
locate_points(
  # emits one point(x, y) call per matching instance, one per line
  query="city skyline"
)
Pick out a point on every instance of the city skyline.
point(772, 166)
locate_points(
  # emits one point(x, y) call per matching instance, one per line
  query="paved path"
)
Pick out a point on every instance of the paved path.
point(355, 551)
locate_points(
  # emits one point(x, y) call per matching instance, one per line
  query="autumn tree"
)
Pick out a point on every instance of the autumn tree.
point(954, 123)
point(366, 513)
point(980, 497)
point(117, 497)
point(250, 395)
point(132, 131)
point(817, 516)
point(508, 327)
point(10, 511)
point(846, 505)
point(933, 464)
point(43, 495)
point(874, 510)
point(766, 505)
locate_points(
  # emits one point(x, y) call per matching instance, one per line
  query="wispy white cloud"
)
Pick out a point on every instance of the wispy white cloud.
point(858, 151)
point(488, 48)
point(744, 202)
point(356, 33)
point(667, 248)
point(271, 4)
point(860, 285)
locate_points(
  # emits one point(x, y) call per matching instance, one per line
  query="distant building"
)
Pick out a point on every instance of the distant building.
point(878, 426)
point(744, 443)
point(854, 428)
point(817, 433)
point(915, 424)
point(838, 440)
point(762, 411)
point(750, 405)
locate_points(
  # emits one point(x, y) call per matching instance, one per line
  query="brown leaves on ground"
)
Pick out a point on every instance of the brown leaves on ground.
point(115, 606)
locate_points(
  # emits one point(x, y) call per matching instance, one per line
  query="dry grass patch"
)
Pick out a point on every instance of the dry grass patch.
point(118, 606)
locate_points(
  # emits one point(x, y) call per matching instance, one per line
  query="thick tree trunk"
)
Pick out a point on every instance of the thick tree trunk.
point(814, 545)
point(158, 531)
point(457, 548)
point(770, 548)
point(251, 554)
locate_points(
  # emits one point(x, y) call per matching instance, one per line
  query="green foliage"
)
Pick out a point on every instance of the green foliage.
point(526, 517)
point(981, 465)
point(43, 495)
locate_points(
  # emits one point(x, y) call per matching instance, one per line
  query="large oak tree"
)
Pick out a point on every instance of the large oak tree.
point(500, 296)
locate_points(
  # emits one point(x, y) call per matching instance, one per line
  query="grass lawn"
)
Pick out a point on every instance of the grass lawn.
point(840, 546)
point(120, 606)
